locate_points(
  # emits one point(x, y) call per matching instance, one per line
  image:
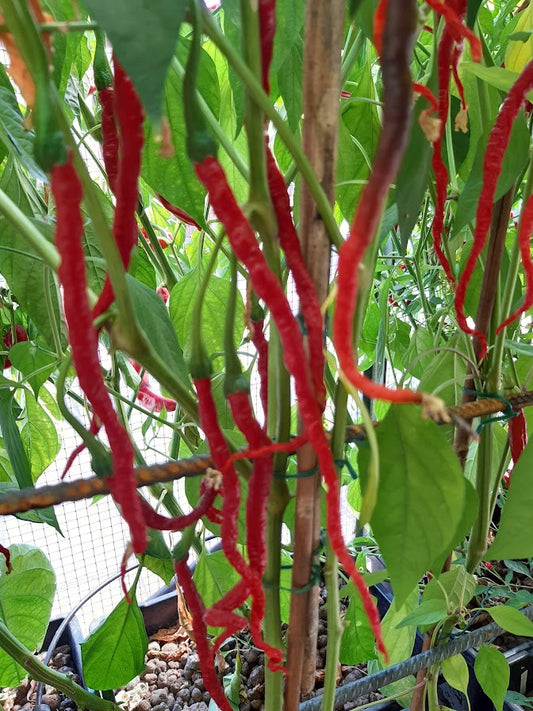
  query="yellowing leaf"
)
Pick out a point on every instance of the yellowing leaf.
point(519, 53)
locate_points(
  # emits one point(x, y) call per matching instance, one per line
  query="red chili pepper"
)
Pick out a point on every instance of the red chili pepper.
point(154, 520)
point(7, 555)
point(20, 337)
point(130, 119)
point(524, 237)
point(222, 614)
point(163, 293)
point(379, 24)
point(267, 24)
point(110, 139)
point(399, 36)
point(68, 194)
point(256, 513)
point(257, 334)
point(497, 143)
point(517, 435)
point(458, 29)
point(305, 288)
point(150, 399)
point(178, 212)
point(268, 288)
point(205, 650)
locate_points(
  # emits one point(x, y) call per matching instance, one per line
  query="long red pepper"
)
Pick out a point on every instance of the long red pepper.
point(205, 650)
point(379, 24)
point(268, 288)
point(178, 212)
point(396, 52)
point(524, 237)
point(267, 24)
point(492, 164)
point(94, 428)
point(257, 335)
point(68, 194)
point(458, 29)
point(130, 119)
point(151, 400)
point(256, 515)
point(178, 523)
point(309, 304)
point(110, 139)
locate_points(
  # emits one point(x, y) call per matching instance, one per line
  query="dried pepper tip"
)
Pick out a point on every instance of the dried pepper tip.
point(7, 555)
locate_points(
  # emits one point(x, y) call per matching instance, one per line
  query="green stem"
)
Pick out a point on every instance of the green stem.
point(27, 229)
point(263, 101)
point(38, 671)
point(477, 545)
point(261, 213)
point(49, 288)
point(164, 265)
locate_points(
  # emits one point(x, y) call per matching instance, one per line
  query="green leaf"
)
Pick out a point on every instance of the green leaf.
point(26, 596)
point(447, 369)
point(511, 620)
point(421, 495)
point(158, 557)
point(514, 162)
point(492, 672)
point(411, 182)
point(154, 320)
point(497, 77)
point(13, 441)
point(290, 84)
point(455, 671)
point(39, 435)
point(143, 35)
point(517, 513)
point(214, 577)
point(114, 653)
point(427, 613)
point(181, 306)
point(17, 140)
point(456, 587)
point(358, 137)
point(34, 363)
point(357, 644)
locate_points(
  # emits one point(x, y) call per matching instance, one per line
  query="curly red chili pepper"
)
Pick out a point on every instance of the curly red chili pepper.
point(492, 164)
point(379, 24)
point(267, 24)
point(130, 119)
point(110, 139)
point(94, 428)
point(68, 194)
point(457, 28)
point(524, 237)
point(178, 212)
point(154, 520)
point(268, 288)
point(205, 650)
point(257, 336)
point(397, 45)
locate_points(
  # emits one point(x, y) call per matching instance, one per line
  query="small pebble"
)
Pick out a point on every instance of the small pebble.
point(170, 649)
point(200, 706)
point(196, 694)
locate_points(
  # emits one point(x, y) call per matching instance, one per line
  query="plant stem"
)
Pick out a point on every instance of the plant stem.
point(263, 101)
point(477, 545)
point(38, 671)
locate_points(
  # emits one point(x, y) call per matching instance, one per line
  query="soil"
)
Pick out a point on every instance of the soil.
point(23, 698)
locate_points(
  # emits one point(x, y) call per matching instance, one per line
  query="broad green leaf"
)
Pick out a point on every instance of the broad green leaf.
point(411, 183)
point(13, 444)
point(517, 513)
point(143, 35)
point(456, 587)
point(23, 270)
point(143, 270)
point(181, 306)
point(511, 620)
point(455, 671)
point(514, 161)
point(233, 32)
point(17, 141)
point(447, 369)
point(154, 320)
point(357, 644)
point(158, 557)
point(26, 596)
point(290, 84)
point(114, 653)
point(39, 435)
point(427, 613)
point(214, 577)
point(289, 27)
point(420, 497)
point(358, 138)
point(34, 363)
point(492, 672)
point(497, 77)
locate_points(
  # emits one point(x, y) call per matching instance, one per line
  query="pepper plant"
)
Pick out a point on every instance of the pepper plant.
point(335, 201)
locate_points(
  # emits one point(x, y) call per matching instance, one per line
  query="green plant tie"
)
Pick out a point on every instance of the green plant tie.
point(508, 414)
